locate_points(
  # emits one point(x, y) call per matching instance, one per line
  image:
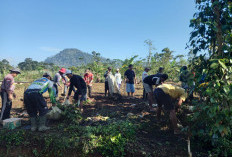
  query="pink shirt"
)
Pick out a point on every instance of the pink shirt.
point(8, 83)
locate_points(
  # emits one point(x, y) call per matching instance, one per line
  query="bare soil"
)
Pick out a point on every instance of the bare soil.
point(152, 139)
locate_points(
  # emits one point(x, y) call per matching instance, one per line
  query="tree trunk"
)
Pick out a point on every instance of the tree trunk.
point(219, 36)
point(149, 57)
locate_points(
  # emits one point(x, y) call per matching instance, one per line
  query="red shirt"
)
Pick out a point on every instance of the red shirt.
point(88, 77)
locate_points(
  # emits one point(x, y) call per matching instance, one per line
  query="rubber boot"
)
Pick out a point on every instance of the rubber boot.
point(42, 121)
point(33, 124)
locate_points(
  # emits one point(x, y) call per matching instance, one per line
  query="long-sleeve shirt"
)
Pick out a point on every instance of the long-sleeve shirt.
point(78, 82)
point(174, 91)
point(88, 77)
point(64, 79)
point(43, 85)
point(118, 78)
point(8, 84)
point(57, 78)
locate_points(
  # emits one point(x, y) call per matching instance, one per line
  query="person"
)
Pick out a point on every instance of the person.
point(145, 74)
point(161, 70)
point(130, 81)
point(67, 85)
point(7, 93)
point(167, 94)
point(65, 82)
point(78, 82)
point(114, 91)
point(187, 81)
point(88, 77)
point(184, 74)
point(57, 79)
point(107, 73)
point(118, 78)
point(203, 77)
point(35, 102)
point(191, 85)
point(151, 80)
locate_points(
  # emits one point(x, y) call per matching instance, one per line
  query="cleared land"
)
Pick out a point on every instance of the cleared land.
point(152, 139)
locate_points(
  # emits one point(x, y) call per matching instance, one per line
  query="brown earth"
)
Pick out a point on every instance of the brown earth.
point(152, 139)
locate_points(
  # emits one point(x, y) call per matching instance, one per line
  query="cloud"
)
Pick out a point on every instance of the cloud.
point(50, 49)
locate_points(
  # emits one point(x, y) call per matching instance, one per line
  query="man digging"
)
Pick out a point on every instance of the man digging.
point(148, 83)
point(81, 92)
point(166, 95)
point(35, 102)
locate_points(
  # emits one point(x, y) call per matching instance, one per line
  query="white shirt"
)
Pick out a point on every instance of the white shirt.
point(145, 74)
point(118, 78)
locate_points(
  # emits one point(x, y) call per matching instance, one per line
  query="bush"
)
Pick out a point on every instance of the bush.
point(212, 120)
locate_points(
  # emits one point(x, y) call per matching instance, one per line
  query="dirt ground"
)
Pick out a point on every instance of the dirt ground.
point(153, 139)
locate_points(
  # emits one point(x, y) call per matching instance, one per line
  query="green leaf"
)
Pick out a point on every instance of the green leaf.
point(214, 65)
point(226, 89)
point(194, 34)
point(195, 51)
point(222, 64)
point(215, 3)
point(212, 100)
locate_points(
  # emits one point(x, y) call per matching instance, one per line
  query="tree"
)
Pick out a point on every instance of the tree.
point(212, 26)
point(29, 65)
point(4, 66)
point(97, 66)
point(150, 48)
point(211, 122)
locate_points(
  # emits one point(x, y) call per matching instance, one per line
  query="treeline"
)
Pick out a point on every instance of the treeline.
point(4, 66)
point(29, 65)
point(165, 58)
point(171, 63)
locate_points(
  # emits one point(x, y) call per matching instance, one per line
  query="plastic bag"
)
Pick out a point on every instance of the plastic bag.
point(55, 113)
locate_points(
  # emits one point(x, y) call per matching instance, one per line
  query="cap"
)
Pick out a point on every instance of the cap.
point(68, 72)
point(62, 70)
point(46, 74)
point(17, 70)
point(110, 68)
point(147, 68)
point(117, 69)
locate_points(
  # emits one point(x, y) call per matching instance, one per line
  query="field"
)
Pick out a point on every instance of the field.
point(149, 139)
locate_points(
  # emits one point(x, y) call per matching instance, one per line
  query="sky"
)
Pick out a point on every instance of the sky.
point(117, 29)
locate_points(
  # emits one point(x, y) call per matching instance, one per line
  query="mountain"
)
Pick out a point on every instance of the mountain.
point(71, 57)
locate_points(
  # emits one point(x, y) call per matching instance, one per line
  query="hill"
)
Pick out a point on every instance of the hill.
point(71, 57)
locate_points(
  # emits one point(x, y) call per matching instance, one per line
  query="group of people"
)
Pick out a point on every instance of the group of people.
point(130, 80)
point(34, 101)
point(165, 95)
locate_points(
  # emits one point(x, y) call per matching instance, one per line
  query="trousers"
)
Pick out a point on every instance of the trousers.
point(6, 106)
